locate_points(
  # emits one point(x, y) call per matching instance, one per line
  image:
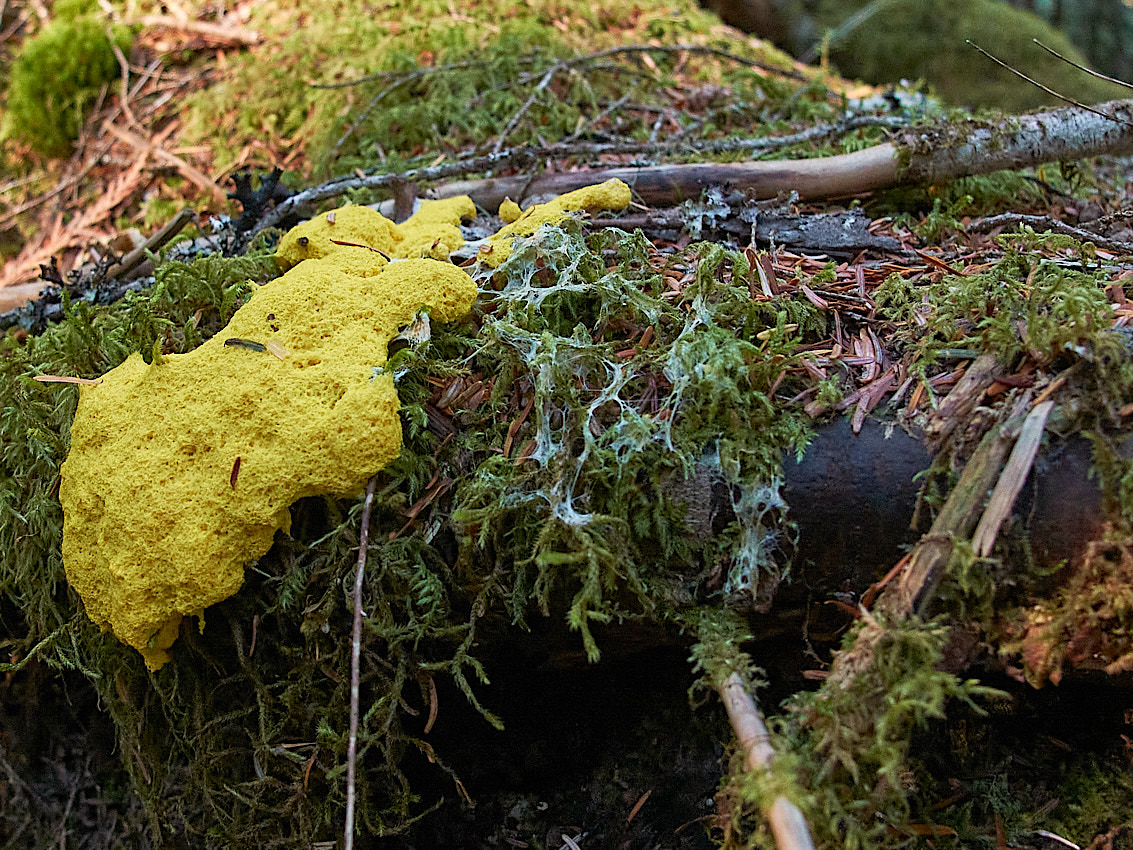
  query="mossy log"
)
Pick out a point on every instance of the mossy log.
point(853, 499)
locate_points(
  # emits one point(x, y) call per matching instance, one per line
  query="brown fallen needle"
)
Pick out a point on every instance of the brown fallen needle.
point(787, 823)
point(355, 666)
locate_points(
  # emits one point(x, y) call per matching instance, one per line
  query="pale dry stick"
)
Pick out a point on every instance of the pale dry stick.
point(219, 32)
point(356, 665)
point(787, 823)
point(1011, 479)
point(519, 156)
point(155, 242)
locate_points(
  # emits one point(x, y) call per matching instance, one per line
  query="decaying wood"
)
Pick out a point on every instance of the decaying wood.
point(12, 297)
point(787, 822)
point(1011, 481)
point(916, 587)
point(958, 405)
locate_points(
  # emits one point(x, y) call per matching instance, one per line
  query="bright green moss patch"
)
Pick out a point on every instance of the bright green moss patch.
point(58, 74)
point(1025, 303)
point(911, 39)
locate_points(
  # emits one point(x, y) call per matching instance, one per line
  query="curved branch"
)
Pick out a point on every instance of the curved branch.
point(926, 154)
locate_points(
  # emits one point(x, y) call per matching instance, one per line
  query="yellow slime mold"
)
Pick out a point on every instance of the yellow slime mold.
point(181, 471)
point(611, 195)
point(433, 231)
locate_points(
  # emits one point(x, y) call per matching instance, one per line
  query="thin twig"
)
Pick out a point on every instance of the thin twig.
point(124, 66)
point(218, 32)
point(155, 242)
point(404, 76)
point(544, 77)
point(1089, 71)
point(514, 120)
point(1046, 89)
point(787, 822)
point(1053, 224)
point(566, 64)
point(356, 665)
point(516, 157)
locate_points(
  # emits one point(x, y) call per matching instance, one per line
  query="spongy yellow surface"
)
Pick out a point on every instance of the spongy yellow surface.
point(159, 522)
point(433, 231)
point(181, 471)
point(611, 195)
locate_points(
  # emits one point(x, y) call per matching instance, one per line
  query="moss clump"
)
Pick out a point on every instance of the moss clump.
point(430, 80)
point(842, 752)
point(926, 39)
point(1025, 303)
point(57, 75)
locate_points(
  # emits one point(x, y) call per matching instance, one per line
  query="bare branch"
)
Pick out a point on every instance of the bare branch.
point(787, 823)
point(1046, 89)
point(1089, 71)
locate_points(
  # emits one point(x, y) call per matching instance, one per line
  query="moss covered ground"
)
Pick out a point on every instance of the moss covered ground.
point(585, 532)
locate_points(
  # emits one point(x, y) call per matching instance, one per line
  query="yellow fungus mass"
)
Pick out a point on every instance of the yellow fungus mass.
point(611, 195)
point(181, 471)
point(433, 231)
point(509, 211)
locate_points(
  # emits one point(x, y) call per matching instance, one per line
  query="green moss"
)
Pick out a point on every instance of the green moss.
point(601, 522)
point(1025, 303)
point(57, 75)
point(432, 82)
point(847, 744)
